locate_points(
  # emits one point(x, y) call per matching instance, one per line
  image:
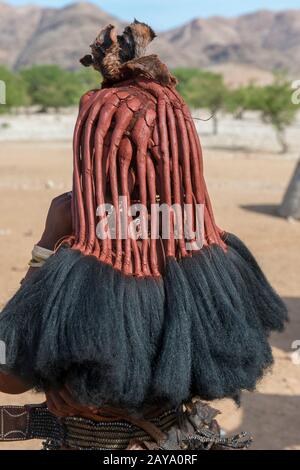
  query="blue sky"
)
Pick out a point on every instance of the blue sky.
point(163, 14)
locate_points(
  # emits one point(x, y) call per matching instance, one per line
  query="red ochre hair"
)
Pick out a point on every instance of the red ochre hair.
point(138, 140)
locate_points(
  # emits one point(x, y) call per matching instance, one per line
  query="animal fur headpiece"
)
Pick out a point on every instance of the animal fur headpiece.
point(118, 57)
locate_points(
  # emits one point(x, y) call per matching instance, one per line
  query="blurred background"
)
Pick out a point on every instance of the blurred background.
point(239, 70)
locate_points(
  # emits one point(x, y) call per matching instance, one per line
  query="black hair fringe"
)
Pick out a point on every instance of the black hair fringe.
point(200, 330)
point(267, 303)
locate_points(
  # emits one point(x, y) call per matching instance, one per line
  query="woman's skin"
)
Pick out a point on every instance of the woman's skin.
point(58, 225)
point(11, 385)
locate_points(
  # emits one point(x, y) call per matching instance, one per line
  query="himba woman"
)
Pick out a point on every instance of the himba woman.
point(127, 335)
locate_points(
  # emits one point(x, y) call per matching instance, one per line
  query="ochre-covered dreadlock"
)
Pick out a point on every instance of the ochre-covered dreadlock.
point(152, 153)
point(129, 321)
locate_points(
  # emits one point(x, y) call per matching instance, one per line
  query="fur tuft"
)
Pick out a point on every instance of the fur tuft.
point(78, 320)
point(111, 53)
point(237, 349)
point(172, 371)
point(270, 308)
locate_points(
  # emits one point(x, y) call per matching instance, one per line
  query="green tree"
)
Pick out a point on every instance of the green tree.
point(277, 109)
point(89, 78)
point(203, 89)
point(241, 99)
point(51, 86)
point(184, 77)
point(16, 92)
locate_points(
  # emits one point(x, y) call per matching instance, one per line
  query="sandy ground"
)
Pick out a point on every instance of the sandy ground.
point(246, 187)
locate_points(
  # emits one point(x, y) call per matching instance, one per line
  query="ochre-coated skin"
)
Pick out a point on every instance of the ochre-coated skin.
point(138, 140)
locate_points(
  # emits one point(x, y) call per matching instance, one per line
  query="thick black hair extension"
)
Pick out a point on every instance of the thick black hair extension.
point(200, 329)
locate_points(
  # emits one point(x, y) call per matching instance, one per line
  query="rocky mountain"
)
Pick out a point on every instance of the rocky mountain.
point(262, 41)
point(34, 35)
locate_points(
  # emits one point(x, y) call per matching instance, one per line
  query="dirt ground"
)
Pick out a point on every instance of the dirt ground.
point(246, 188)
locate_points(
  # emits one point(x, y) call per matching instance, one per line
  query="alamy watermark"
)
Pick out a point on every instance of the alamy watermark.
point(138, 222)
point(2, 92)
point(296, 94)
point(296, 354)
point(2, 352)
